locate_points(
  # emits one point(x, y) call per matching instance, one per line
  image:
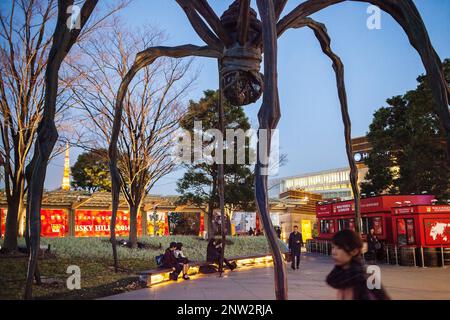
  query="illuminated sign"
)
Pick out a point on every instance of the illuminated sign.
point(54, 223)
point(360, 156)
point(96, 223)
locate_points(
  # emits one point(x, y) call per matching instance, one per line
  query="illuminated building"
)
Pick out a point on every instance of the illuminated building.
point(333, 183)
point(82, 214)
point(293, 208)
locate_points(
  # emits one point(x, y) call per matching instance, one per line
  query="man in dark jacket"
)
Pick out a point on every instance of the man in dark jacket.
point(214, 254)
point(295, 247)
point(373, 245)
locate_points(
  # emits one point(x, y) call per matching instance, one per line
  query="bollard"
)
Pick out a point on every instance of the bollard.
point(423, 260)
point(396, 255)
point(387, 254)
point(414, 257)
point(442, 256)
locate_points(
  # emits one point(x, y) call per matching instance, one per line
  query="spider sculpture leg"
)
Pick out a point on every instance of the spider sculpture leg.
point(143, 59)
point(268, 116)
point(322, 36)
point(201, 27)
point(407, 15)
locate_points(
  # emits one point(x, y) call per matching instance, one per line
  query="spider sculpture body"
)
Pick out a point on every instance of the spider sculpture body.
point(239, 40)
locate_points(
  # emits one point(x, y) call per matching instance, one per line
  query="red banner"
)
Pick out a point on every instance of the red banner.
point(323, 209)
point(166, 224)
point(202, 223)
point(422, 209)
point(437, 231)
point(3, 221)
point(93, 223)
point(54, 223)
point(345, 207)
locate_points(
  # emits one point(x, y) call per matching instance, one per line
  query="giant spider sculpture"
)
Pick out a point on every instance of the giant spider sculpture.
point(238, 40)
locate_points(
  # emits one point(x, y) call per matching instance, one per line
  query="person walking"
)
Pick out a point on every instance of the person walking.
point(373, 244)
point(295, 247)
point(349, 276)
point(278, 231)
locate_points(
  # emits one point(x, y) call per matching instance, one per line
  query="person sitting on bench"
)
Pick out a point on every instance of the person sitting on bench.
point(214, 254)
point(170, 261)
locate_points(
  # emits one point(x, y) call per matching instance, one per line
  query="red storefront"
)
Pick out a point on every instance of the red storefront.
point(326, 221)
point(375, 213)
point(88, 223)
point(421, 225)
point(54, 223)
point(96, 223)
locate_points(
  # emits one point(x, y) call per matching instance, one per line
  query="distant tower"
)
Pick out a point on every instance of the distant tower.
point(66, 178)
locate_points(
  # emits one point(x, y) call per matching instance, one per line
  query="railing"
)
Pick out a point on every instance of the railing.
point(416, 256)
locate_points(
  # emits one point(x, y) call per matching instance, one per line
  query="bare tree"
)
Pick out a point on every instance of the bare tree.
point(24, 46)
point(67, 32)
point(152, 109)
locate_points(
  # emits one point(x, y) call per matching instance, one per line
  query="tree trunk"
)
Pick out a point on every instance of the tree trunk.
point(134, 211)
point(28, 175)
point(14, 215)
point(211, 229)
point(47, 134)
point(11, 225)
point(48, 139)
point(22, 216)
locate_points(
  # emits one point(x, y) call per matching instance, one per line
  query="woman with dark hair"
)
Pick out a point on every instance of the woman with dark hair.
point(349, 276)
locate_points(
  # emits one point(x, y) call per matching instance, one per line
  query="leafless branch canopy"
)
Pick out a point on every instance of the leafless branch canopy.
point(153, 104)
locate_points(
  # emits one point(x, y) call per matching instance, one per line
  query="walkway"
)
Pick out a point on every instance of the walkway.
point(306, 283)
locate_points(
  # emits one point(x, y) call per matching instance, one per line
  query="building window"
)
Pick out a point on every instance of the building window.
point(327, 226)
point(372, 222)
point(346, 224)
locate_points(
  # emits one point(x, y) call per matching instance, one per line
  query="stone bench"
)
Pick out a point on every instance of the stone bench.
point(159, 275)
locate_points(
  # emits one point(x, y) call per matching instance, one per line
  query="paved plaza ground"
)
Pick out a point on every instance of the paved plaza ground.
point(306, 283)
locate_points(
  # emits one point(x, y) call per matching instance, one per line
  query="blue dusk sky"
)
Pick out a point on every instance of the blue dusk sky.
point(378, 64)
